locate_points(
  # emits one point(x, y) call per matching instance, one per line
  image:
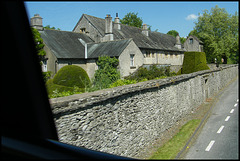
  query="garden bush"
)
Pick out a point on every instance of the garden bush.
point(55, 90)
point(154, 72)
point(107, 72)
point(193, 62)
point(122, 82)
point(72, 75)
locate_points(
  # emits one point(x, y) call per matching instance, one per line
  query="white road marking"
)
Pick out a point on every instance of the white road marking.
point(232, 111)
point(235, 105)
point(227, 118)
point(220, 129)
point(210, 145)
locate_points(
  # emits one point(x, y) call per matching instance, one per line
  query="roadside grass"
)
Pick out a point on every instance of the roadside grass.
point(171, 148)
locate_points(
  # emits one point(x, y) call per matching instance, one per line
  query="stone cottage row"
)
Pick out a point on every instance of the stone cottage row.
point(93, 37)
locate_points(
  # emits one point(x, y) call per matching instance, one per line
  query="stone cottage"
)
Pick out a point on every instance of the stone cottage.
point(192, 43)
point(157, 48)
point(71, 48)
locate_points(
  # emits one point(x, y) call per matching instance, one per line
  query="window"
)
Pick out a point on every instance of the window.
point(44, 65)
point(131, 60)
point(148, 54)
point(190, 41)
point(82, 30)
point(153, 55)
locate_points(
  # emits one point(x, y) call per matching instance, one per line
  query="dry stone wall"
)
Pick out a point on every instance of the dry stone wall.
point(124, 120)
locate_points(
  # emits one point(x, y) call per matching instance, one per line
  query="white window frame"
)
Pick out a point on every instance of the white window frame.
point(132, 60)
point(44, 65)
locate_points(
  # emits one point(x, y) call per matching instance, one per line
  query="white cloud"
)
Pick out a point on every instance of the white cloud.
point(191, 17)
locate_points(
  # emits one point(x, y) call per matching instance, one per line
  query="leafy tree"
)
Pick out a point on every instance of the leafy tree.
point(132, 19)
point(41, 53)
point(107, 72)
point(219, 32)
point(193, 33)
point(182, 39)
point(174, 33)
point(48, 27)
point(39, 44)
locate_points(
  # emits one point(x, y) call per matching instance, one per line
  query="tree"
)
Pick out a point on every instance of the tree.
point(107, 72)
point(174, 33)
point(132, 19)
point(48, 27)
point(219, 32)
point(39, 44)
point(193, 33)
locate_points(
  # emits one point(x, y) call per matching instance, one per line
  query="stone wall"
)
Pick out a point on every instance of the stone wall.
point(125, 120)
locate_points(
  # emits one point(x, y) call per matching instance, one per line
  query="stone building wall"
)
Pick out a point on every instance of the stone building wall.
point(125, 67)
point(162, 57)
point(125, 120)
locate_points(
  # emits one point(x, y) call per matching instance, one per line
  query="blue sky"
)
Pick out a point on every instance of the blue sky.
point(164, 16)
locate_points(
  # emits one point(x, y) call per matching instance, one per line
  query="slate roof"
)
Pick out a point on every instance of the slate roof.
point(109, 48)
point(155, 40)
point(65, 44)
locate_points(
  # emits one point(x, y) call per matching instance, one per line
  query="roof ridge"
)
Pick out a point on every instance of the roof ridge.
point(110, 41)
point(64, 31)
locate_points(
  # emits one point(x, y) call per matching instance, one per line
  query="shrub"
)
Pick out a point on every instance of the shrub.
point(121, 82)
point(70, 76)
point(46, 75)
point(107, 72)
point(154, 72)
point(193, 62)
point(55, 90)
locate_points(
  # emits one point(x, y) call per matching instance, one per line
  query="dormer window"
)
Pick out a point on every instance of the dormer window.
point(82, 30)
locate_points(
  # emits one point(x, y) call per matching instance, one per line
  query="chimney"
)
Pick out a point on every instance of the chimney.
point(36, 22)
point(145, 30)
point(108, 28)
point(178, 42)
point(117, 22)
point(85, 47)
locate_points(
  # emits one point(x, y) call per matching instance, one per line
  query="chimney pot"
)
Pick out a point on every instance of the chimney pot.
point(36, 22)
point(145, 30)
point(117, 22)
point(108, 28)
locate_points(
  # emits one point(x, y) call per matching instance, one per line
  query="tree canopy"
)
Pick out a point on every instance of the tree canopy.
point(132, 19)
point(107, 72)
point(174, 33)
point(49, 27)
point(219, 32)
point(38, 43)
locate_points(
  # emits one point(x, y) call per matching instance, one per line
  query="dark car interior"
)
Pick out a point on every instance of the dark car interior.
point(27, 126)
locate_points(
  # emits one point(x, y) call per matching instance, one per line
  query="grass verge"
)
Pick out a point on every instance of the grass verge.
point(170, 149)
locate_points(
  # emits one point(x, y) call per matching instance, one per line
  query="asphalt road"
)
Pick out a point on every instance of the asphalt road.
point(218, 138)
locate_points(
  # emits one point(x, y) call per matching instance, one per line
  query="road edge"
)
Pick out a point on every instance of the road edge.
point(191, 140)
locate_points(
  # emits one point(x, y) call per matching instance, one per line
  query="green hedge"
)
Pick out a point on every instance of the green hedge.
point(70, 76)
point(193, 62)
point(55, 89)
point(152, 73)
